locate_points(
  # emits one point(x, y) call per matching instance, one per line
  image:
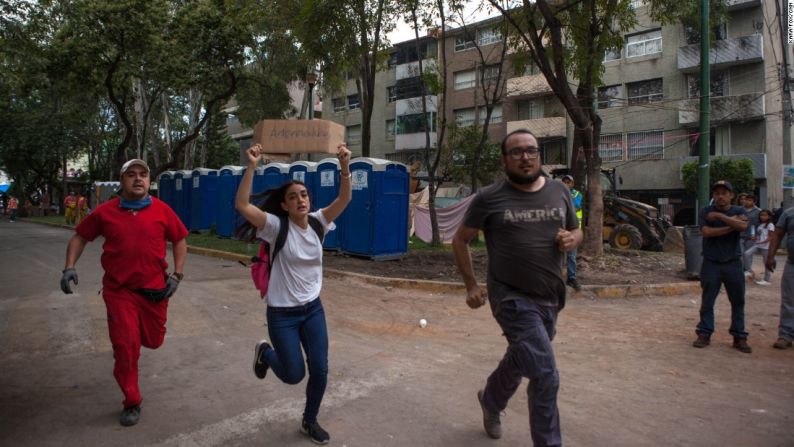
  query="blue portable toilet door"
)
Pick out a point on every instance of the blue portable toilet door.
point(194, 185)
point(359, 214)
point(391, 213)
point(224, 214)
point(326, 190)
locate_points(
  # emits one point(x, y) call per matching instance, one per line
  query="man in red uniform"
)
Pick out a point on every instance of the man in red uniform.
point(136, 286)
point(82, 207)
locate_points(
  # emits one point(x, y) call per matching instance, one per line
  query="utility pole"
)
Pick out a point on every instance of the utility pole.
point(786, 91)
point(705, 96)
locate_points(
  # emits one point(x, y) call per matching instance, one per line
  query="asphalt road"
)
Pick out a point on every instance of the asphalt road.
point(629, 376)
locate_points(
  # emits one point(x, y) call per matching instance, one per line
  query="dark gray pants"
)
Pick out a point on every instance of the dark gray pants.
point(529, 329)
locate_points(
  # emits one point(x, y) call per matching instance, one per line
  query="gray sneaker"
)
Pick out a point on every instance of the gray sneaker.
point(260, 365)
point(782, 343)
point(490, 420)
point(130, 416)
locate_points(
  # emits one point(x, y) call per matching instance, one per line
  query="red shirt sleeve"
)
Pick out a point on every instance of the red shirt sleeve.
point(90, 227)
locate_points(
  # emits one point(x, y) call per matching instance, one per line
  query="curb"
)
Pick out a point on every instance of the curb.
point(597, 291)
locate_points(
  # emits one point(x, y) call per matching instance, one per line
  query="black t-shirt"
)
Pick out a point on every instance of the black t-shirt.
point(722, 248)
point(520, 231)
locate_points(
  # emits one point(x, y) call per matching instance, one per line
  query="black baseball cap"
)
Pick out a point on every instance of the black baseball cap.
point(723, 183)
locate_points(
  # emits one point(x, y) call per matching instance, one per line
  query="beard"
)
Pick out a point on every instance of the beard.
point(522, 179)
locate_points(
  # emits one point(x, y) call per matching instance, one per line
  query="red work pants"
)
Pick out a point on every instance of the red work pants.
point(132, 321)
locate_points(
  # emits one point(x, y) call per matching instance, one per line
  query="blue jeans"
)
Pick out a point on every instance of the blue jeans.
point(786, 329)
point(712, 276)
point(529, 329)
point(289, 328)
point(571, 258)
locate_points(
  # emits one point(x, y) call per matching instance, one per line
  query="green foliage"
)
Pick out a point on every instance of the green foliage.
point(459, 152)
point(738, 171)
point(222, 150)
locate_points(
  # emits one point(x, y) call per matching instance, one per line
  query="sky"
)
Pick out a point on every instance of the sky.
point(404, 32)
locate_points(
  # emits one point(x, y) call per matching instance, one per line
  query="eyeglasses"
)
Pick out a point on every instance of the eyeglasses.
point(517, 153)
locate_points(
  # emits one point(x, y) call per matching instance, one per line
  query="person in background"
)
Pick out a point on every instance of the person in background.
point(82, 207)
point(761, 244)
point(70, 208)
point(576, 199)
point(748, 236)
point(13, 205)
point(136, 286)
point(784, 226)
point(721, 224)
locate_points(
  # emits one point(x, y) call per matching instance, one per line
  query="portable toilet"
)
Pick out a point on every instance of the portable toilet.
point(166, 188)
point(275, 175)
point(376, 224)
point(182, 189)
point(203, 198)
point(306, 172)
point(326, 189)
point(226, 216)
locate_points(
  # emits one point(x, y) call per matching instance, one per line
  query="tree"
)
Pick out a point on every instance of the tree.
point(567, 40)
point(347, 36)
point(738, 171)
point(464, 143)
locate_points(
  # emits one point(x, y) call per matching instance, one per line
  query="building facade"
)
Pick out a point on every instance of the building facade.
point(648, 103)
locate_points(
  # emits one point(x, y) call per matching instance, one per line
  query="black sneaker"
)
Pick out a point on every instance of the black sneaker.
point(315, 432)
point(741, 345)
point(130, 416)
point(260, 365)
point(575, 284)
point(490, 421)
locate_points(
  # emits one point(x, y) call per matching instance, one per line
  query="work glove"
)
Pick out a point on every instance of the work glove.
point(68, 275)
point(170, 286)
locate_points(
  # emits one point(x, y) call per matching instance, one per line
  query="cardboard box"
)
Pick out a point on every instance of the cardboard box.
point(298, 136)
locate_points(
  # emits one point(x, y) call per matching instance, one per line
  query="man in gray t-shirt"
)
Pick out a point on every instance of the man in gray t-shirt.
point(784, 225)
point(529, 224)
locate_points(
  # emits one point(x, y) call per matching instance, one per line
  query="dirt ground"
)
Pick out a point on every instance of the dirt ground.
point(615, 267)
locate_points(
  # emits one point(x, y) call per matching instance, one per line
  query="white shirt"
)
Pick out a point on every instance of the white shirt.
point(297, 274)
point(763, 234)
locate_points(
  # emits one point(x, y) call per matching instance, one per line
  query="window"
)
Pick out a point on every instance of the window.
point(644, 92)
point(637, 4)
point(489, 74)
point(718, 32)
point(389, 129)
point(409, 88)
point(464, 42)
point(496, 114)
point(610, 147)
point(488, 36)
point(391, 92)
point(719, 84)
point(414, 123)
point(611, 54)
point(645, 145)
point(609, 96)
point(644, 44)
point(529, 69)
point(464, 117)
point(353, 102)
point(353, 134)
point(339, 105)
point(530, 110)
point(464, 79)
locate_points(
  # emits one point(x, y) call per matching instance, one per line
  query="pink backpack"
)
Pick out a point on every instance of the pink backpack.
point(262, 263)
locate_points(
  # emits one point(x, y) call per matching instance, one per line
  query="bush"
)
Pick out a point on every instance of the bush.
point(738, 171)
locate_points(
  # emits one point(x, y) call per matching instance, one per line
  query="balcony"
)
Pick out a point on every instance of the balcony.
point(724, 109)
point(724, 53)
point(540, 127)
point(734, 5)
point(533, 85)
point(413, 141)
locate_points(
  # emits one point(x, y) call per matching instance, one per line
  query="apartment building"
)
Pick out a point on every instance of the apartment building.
point(648, 102)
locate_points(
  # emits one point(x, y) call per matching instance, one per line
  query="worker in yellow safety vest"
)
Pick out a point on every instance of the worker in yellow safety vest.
point(576, 198)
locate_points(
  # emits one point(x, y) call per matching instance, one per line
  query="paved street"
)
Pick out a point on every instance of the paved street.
point(629, 376)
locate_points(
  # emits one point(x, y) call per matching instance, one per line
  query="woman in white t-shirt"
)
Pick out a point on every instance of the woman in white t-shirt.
point(295, 315)
point(761, 245)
